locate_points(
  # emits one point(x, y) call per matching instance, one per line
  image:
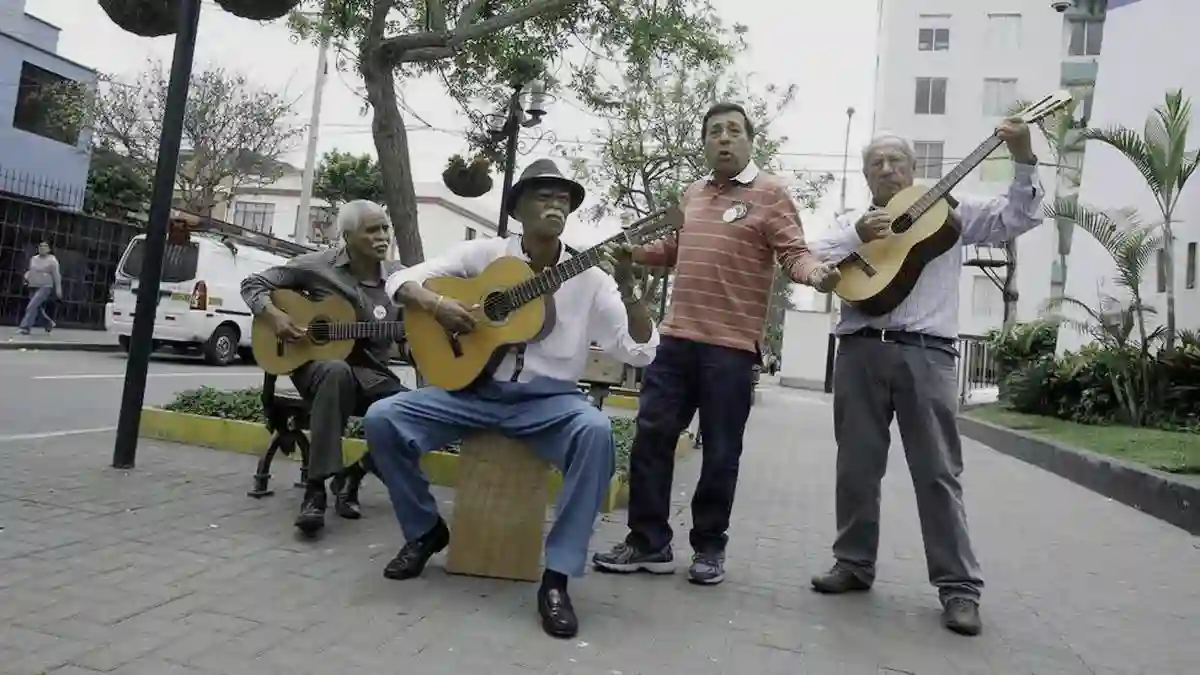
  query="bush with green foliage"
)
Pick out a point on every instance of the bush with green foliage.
point(245, 405)
point(1094, 385)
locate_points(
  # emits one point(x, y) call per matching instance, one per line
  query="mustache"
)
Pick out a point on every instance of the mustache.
point(562, 215)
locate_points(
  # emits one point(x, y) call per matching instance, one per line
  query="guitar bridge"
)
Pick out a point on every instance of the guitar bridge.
point(455, 344)
point(279, 348)
point(856, 260)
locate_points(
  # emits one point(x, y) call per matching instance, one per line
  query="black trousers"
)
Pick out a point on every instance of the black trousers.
point(687, 376)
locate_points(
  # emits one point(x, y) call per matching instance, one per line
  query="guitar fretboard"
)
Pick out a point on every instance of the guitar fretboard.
point(947, 183)
point(358, 330)
point(553, 277)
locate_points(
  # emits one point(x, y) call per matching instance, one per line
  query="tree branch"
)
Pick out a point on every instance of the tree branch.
point(435, 16)
point(469, 14)
point(428, 46)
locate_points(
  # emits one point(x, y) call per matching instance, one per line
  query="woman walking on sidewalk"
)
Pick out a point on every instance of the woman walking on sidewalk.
point(45, 278)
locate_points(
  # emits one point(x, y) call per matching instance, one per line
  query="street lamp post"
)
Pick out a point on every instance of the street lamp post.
point(845, 177)
point(141, 341)
point(508, 128)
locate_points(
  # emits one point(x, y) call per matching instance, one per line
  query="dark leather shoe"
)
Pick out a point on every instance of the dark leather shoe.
point(558, 615)
point(839, 579)
point(345, 489)
point(312, 510)
point(411, 559)
point(961, 615)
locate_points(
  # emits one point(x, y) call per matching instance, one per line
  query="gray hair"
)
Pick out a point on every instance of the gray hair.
point(350, 216)
point(892, 140)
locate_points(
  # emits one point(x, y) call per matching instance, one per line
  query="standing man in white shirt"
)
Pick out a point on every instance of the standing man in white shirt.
point(902, 365)
point(533, 394)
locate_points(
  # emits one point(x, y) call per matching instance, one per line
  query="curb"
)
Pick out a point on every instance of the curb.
point(35, 345)
point(1155, 493)
point(252, 439)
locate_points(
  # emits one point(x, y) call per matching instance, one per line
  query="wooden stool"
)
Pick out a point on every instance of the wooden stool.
point(499, 510)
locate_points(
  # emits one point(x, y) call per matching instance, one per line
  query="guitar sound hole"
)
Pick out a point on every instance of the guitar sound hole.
point(318, 330)
point(901, 224)
point(496, 307)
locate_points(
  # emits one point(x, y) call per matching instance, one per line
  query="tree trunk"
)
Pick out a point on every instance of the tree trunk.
point(1169, 272)
point(391, 144)
point(1009, 292)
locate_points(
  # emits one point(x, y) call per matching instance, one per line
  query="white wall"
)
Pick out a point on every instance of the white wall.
point(440, 226)
point(1139, 63)
point(1033, 60)
point(805, 346)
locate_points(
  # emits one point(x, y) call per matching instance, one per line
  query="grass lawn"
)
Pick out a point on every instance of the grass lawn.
point(1164, 450)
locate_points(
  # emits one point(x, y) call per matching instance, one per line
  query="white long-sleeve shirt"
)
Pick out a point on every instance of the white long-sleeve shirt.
point(588, 308)
point(932, 306)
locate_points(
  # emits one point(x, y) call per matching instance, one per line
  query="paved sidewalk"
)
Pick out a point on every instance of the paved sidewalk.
point(59, 339)
point(171, 569)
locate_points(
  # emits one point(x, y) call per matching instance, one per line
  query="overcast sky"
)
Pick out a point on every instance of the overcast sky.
point(826, 48)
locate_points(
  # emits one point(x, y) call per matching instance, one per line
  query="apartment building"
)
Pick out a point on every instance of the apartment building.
point(947, 72)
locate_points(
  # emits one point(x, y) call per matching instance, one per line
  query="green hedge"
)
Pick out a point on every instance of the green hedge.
point(1079, 386)
point(245, 405)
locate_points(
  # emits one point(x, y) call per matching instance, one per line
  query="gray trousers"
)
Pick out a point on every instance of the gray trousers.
point(874, 381)
point(336, 391)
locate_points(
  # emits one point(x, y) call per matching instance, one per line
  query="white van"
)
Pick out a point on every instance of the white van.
point(200, 306)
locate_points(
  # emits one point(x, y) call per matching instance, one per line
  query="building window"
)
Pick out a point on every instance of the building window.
point(44, 99)
point(1190, 280)
point(1085, 37)
point(999, 96)
point(987, 302)
point(931, 96)
point(470, 233)
point(1004, 32)
point(257, 216)
point(929, 159)
point(933, 39)
point(998, 168)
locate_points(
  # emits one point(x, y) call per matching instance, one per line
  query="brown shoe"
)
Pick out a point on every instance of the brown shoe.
point(961, 615)
point(839, 579)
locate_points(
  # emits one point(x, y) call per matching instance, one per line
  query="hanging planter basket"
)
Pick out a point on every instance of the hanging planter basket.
point(147, 18)
point(259, 10)
point(468, 180)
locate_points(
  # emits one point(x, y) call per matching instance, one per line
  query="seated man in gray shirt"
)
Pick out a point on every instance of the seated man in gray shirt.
point(336, 390)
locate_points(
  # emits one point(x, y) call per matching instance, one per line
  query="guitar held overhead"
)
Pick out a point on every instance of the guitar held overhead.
point(515, 306)
point(881, 274)
point(330, 325)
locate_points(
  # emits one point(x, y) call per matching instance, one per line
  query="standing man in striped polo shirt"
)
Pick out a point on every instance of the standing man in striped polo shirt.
point(739, 222)
point(902, 365)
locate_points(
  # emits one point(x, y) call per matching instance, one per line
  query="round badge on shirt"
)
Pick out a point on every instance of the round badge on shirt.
point(380, 312)
point(735, 212)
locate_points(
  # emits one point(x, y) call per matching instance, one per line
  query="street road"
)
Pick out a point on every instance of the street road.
point(47, 393)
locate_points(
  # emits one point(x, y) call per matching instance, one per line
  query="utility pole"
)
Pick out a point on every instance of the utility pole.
point(845, 176)
point(303, 219)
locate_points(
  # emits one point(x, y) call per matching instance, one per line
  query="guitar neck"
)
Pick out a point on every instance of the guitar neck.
point(360, 330)
point(954, 177)
point(551, 278)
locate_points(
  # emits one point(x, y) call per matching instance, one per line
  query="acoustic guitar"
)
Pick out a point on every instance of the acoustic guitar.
point(330, 325)
point(881, 274)
point(515, 307)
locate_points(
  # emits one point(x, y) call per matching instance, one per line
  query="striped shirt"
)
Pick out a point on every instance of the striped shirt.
point(724, 258)
point(932, 306)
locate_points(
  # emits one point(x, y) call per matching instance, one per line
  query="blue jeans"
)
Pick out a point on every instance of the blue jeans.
point(37, 308)
point(552, 416)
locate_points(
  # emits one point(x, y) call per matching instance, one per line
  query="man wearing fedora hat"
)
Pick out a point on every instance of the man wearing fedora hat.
point(532, 394)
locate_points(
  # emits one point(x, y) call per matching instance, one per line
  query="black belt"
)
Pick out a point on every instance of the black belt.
point(904, 337)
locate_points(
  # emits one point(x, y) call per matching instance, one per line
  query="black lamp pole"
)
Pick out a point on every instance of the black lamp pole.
point(511, 131)
point(141, 342)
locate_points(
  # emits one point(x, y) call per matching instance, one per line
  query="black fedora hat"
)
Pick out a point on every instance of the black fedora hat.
point(540, 172)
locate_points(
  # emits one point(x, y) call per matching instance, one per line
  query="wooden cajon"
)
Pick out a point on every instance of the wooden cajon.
point(500, 503)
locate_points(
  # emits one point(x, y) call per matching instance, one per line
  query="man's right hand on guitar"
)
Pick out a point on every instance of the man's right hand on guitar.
point(282, 326)
point(875, 224)
point(454, 316)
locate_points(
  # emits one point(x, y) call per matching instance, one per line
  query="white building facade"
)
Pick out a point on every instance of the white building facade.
point(444, 219)
point(947, 73)
point(1144, 57)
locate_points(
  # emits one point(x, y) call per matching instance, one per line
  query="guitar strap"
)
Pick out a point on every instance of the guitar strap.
point(518, 362)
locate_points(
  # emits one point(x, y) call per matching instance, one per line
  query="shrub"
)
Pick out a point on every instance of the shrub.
point(1021, 345)
point(245, 405)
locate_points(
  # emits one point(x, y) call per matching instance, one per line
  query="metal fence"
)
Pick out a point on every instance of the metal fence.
point(38, 189)
point(88, 250)
point(976, 366)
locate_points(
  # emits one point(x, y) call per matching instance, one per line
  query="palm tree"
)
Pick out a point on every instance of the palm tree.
point(1159, 153)
point(1132, 245)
